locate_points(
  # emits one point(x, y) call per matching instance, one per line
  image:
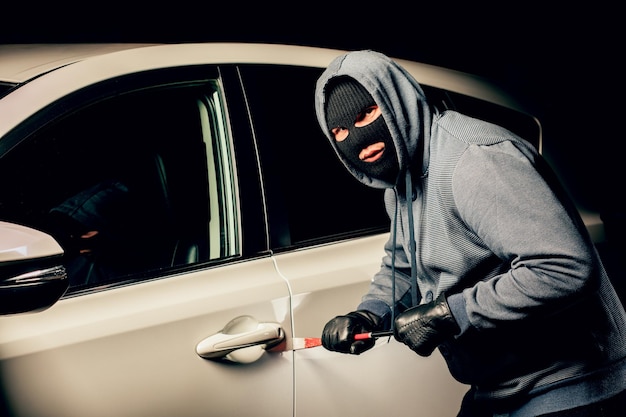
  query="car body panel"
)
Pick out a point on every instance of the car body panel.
point(131, 350)
point(23, 62)
point(331, 278)
point(352, 385)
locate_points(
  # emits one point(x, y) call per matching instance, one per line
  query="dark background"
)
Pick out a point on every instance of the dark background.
point(563, 61)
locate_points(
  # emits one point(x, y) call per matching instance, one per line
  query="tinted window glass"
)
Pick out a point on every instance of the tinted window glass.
point(135, 183)
point(5, 87)
point(311, 195)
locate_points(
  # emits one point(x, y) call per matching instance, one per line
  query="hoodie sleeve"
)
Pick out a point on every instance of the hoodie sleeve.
point(503, 197)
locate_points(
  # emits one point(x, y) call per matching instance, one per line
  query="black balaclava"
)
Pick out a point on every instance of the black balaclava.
point(346, 99)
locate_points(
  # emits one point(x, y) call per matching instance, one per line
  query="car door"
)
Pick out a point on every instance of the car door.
point(172, 303)
point(327, 232)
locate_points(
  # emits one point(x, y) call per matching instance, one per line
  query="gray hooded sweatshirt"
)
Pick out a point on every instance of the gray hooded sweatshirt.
point(542, 329)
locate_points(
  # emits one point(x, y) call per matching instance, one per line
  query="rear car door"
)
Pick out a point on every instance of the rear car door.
point(327, 232)
point(178, 270)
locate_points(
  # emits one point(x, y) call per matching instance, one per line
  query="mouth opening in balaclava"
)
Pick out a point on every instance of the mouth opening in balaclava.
point(346, 99)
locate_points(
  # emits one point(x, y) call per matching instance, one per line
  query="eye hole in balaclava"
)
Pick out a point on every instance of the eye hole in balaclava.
point(369, 148)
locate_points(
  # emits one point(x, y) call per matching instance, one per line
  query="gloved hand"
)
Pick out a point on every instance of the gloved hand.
point(338, 334)
point(426, 326)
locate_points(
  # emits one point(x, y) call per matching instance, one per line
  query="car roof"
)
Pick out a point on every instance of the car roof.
point(21, 62)
point(45, 73)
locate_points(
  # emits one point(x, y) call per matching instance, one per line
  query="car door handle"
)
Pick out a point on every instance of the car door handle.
point(242, 332)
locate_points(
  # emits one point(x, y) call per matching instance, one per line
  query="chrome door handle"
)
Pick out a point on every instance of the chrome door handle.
point(240, 333)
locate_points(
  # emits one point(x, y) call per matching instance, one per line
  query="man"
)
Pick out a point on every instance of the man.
point(487, 260)
point(100, 231)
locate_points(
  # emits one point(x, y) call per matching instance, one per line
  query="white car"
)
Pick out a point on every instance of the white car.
point(170, 232)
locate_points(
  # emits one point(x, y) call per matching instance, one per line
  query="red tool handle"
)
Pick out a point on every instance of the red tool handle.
point(372, 335)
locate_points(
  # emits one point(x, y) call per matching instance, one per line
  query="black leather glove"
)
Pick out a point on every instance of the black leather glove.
point(338, 334)
point(426, 326)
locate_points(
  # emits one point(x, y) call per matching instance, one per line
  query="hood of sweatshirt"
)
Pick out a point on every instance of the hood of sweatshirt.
point(400, 98)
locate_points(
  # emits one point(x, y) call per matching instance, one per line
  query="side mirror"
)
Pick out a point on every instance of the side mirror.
point(32, 276)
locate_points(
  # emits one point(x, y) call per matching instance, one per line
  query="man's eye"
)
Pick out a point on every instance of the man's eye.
point(367, 116)
point(340, 133)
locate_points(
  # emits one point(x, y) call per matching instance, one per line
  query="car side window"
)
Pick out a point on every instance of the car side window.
point(311, 196)
point(130, 186)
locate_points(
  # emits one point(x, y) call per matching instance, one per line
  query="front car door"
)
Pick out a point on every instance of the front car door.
point(141, 178)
